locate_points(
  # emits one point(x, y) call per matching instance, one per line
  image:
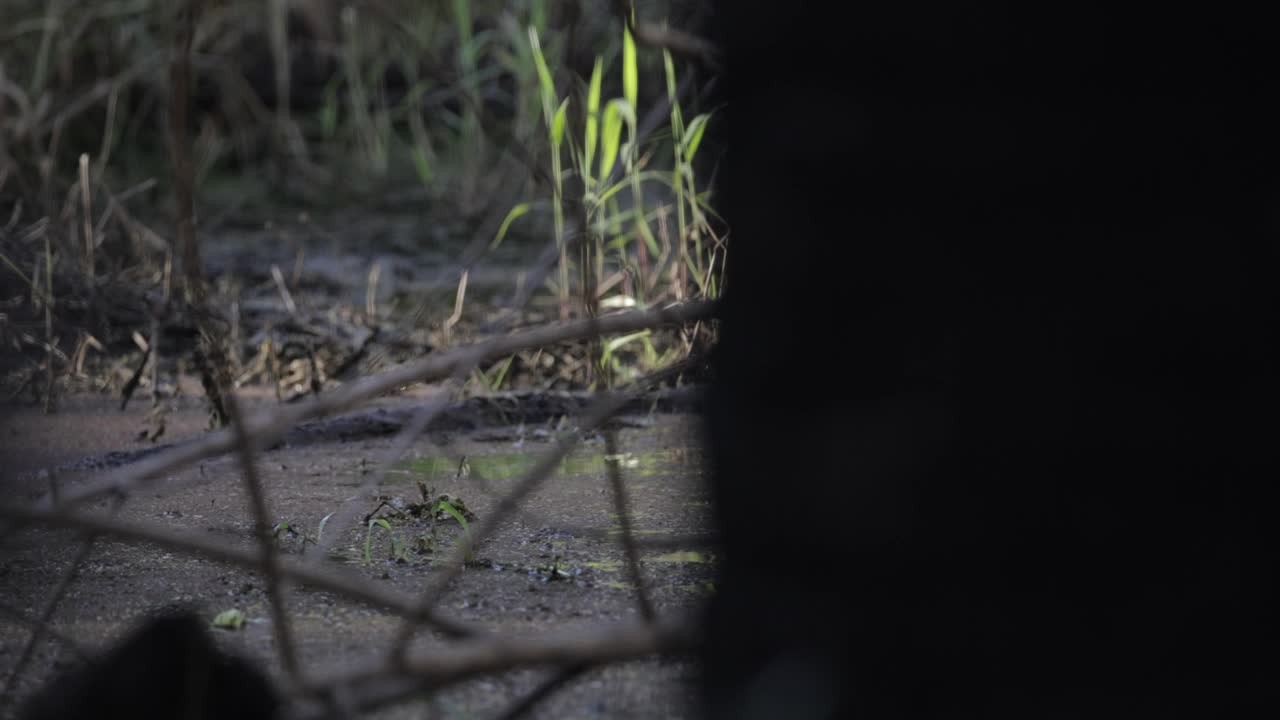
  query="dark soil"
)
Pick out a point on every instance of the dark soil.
point(553, 567)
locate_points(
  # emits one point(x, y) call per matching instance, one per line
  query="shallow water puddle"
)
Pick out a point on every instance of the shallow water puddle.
point(506, 466)
point(681, 556)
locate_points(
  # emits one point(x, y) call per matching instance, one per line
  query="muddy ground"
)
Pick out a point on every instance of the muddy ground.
point(554, 566)
point(379, 290)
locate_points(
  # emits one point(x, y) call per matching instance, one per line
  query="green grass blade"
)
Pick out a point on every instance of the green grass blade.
point(669, 69)
point(642, 176)
point(613, 345)
point(379, 522)
point(545, 82)
point(538, 14)
point(449, 508)
point(610, 136)
point(462, 24)
point(557, 124)
point(677, 121)
point(512, 215)
point(320, 529)
point(630, 75)
point(502, 374)
point(693, 138)
point(462, 520)
point(593, 119)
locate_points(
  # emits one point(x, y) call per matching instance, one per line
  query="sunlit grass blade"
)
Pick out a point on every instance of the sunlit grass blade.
point(368, 536)
point(610, 135)
point(591, 134)
point(557, 124)
point(643, 176)
point(448, 507)
point(512, 215)
point(677, 121)
point(693, 135)
point(630, 74)
point(545, 82)
point(502, 375)
point(612, 346)
point(320, 529)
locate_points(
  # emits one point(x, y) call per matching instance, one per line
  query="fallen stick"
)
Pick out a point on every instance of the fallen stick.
point(269, 427)
point(353, 588)
point(378, 684)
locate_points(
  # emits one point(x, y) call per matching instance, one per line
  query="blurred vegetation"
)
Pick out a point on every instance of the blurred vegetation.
point(525, 123)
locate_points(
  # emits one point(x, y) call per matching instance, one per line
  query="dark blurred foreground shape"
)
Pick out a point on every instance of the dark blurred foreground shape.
point(995, 432)
point(168, 668)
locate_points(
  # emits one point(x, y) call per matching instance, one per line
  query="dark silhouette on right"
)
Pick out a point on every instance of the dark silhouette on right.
point(994, 431)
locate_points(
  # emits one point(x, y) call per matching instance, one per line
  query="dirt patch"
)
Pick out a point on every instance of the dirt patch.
point(556, 565)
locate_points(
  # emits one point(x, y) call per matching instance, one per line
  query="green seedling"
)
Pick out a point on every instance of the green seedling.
point(320, 528)
point(512, 215)
point(284, 528)
point(368, 536)
point(399, 550)
point(447, 507)
point(617, 343)
point(492, 381)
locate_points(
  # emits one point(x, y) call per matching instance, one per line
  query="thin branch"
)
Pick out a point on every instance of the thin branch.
point(604, 407)
point(633, 388)
point(100, 90)
point(406, 437)
point(548, 688)
point(358, 589)
point(269, 553)
point(620, 505)
point(40, 626)
point(679, 42)
point(180, 144)
point(384, 683)
point(45, 629)
point(271, 426)
point(534, 518)
point(602, 410)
